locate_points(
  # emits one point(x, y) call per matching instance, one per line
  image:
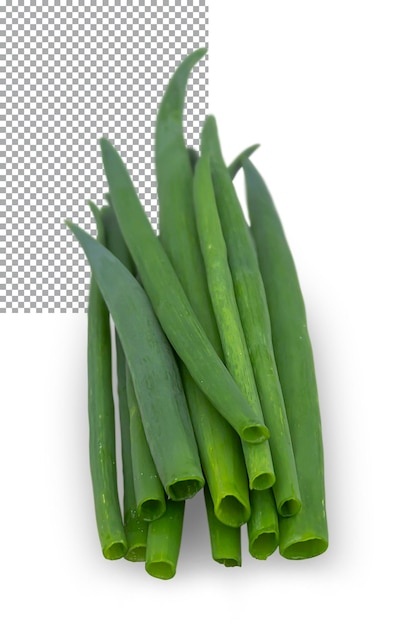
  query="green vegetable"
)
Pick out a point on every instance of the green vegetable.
point(136, 533)
point(251, 300)
point(219, 445)
point(114, 238)
point(101, 421)
point(173, 161)
point(257, 456)
point(306, 534)
point(263, 530)
point(235, 166)
point(171, 304)
point(150, 496)
point(224, 540)
point(164, 542)
point(193, 157)
point(154, 372)
point(221, 457)
point(136, 530)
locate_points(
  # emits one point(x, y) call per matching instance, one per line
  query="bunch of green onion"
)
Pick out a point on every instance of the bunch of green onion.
point(215, 375)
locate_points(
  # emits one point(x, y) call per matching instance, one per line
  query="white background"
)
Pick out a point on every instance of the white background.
point(329, 89)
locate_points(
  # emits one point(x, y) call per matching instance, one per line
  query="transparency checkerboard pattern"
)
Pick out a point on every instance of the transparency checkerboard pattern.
point(72, 74)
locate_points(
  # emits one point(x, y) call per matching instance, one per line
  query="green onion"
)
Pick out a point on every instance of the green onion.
point(221, 457)
point(219, 446)
point(193, 157)
point(101, 421)
point(154, 372)
point(224, 540)
point(215, 371)
point(263, 530)
point(251, 300)
point(164, 542)
point(257, 456)
point(306, 534)
point(136, 530)
point(136, 534)
point(150, 496)
point(235, 165)
point(171, 304)
point(114, 238)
